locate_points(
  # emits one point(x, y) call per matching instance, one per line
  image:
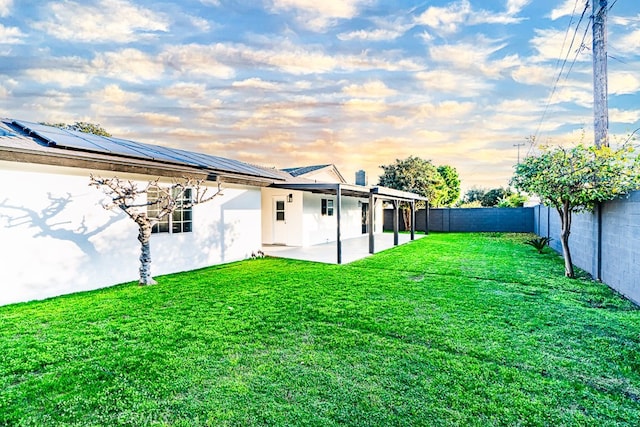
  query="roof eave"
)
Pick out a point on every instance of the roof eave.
point(54, 157)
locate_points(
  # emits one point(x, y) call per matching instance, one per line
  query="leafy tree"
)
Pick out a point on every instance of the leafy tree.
point(134, 201)
point(472, 197)
point(492, 197)
point(452, 182)
point(415, 175)
point(576, 179)
point(81, 127)
point(462, 204)
point(512, 201)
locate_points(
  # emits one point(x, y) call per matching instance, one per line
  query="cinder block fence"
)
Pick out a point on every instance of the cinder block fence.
point(513, 220)
point(605, 243)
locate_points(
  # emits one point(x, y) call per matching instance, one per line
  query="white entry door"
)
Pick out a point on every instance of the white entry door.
point(279, 220)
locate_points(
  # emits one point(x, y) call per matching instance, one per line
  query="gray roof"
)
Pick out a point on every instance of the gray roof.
point(25, 135)
point(304, 169)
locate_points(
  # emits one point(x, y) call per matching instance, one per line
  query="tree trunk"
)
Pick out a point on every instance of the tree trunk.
point(565, 219)
point(144, 237)
point(406, 216)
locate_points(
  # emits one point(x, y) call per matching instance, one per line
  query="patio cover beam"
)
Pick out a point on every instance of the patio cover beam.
point(396, 221)
point(413, 220)
point(338, 215)
point(372, 209)
point(372, 193)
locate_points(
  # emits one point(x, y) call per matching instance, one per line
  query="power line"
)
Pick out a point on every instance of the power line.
point(564, 62)
point(580, 49)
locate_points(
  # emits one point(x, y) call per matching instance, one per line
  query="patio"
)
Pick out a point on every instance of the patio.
point(352, 249)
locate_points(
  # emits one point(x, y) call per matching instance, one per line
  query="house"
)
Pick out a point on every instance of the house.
point(57, 238)
point(302, 211)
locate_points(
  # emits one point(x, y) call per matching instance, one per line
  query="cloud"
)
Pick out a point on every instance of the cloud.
point(565, 9)
point(551, 45)
point(60, 77)
point(184, 90)
point(629, 43)
point(449, 19)
point(114, 94)
point(462, 85)
point(10, 35)
point(158, 119)
point(114, 21)
point(5, 7)
point(53, 104)
point(379, 34)
point(197, 60)
point(509, 16)
point(445, 19)
point(255, 83)
point(515, 6)
point(372, 89)
point(451, 110)
point(624, 116)
point(283, 56)
point(199, 23)
point(129, 65)
point(534, 75)
point(275, 116)
point(623, 83)
point(286, 57)
point(384, 29)
point(366, 106)
point(318, 15)
point(579, 96)
point(474, 57)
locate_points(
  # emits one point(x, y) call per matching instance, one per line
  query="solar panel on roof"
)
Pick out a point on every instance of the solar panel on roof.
point(66, 138)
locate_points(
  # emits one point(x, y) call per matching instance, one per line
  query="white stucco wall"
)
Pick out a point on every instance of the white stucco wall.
point(323, 175)
point(293, 217)
point(320, 228)
point(305, 224)
point(56, 238)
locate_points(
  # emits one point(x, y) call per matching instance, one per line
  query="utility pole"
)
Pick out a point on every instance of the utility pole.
point(600, 102)
point(519, 145)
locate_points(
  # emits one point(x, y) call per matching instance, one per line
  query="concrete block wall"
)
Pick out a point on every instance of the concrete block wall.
point(619, 248)
point(508, 220)
point(621, 245)
point(512, 220)
point(610, 253)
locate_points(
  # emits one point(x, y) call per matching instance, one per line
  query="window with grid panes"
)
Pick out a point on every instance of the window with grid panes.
point(180, 221)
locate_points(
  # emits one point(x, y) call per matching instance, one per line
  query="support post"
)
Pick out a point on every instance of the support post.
point(338, 215)
point(426, 217)
point(396, 208)
point(413, 220)
point(600, 102)
point(372, 208)
point(599, 244)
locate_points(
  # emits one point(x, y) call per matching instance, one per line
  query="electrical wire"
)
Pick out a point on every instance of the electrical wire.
point(564, 62)
point(579, 50)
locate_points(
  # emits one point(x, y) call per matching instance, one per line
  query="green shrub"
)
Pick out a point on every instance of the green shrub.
point(539, 243)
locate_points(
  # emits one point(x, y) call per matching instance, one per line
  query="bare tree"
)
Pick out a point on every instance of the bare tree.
point(134, 200)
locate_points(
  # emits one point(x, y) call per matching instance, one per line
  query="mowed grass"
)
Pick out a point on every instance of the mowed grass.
point(452, 329)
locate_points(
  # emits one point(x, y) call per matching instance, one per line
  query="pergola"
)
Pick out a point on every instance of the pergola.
point(395, 197)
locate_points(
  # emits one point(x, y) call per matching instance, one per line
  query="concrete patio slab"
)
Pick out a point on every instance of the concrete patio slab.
point(352, 249)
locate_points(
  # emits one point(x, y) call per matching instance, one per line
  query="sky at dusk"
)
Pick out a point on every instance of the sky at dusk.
point(357, 83)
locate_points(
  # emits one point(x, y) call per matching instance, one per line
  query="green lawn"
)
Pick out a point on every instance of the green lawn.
point(453, 329)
